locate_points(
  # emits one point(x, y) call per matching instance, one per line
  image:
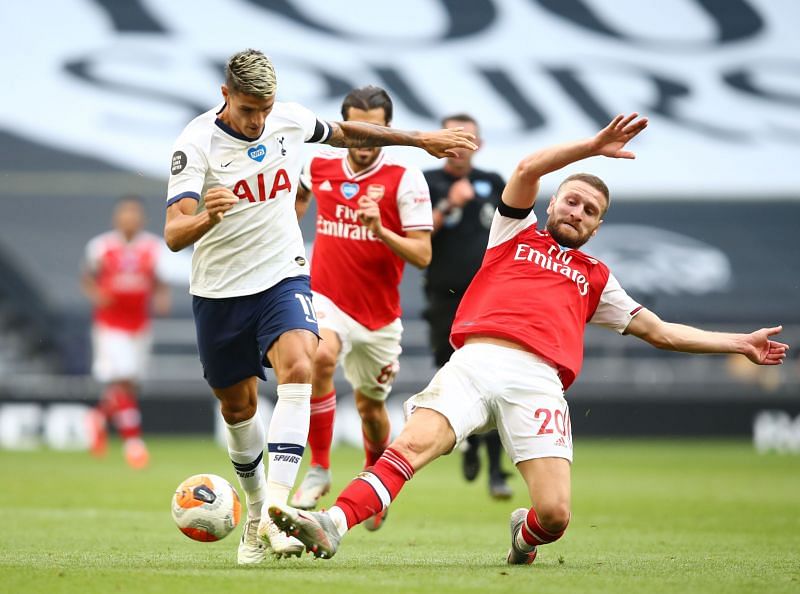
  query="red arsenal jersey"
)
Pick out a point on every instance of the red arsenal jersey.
point(126, 273)
point(351, 266)
point(533, 292)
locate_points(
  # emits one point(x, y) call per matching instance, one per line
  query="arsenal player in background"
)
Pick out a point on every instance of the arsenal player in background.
point(120, 278)
point(373, 216)
point(518, 335)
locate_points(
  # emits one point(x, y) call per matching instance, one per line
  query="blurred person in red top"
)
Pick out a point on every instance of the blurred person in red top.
point(373, 216)
point(120, 278)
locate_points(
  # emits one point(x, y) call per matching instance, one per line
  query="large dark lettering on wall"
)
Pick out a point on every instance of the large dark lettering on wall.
point(744, 79)
point(530, 117)
point(334, 87)
point(130, 16)
point(399, 88)
point(669, 94)
point(735, 20)
point(82, 70)
point(567, 79)
point(462, 21)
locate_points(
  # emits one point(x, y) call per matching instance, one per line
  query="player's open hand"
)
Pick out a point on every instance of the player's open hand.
point(218, 201)
point(610, 141)
point(443, 143)
point(369, 213)
point(763, 351)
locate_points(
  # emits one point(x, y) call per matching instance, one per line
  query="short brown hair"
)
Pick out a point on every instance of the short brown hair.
point(459, 117)
point(592, 180)
point(366, 98)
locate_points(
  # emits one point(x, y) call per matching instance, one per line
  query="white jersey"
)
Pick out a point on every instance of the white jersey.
point(258, 243)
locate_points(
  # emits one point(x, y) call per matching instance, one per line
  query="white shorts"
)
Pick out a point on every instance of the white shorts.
point(484, 386)
point(369, 357)
point(120, 355)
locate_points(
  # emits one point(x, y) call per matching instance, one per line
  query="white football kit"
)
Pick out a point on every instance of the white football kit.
point(258, 243)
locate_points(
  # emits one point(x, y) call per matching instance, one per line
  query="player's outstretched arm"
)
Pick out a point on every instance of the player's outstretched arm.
point(183, 227)
point(756, 346)
point(522, 187)
point(440, 143)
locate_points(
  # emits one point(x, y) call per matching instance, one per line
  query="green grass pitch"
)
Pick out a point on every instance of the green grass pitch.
point(648, 516)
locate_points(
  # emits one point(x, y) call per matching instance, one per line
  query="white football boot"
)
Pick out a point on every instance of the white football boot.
point(280, 544)
point(315, 530)
point(252, 549)
point(517, 556)
point(316, 483)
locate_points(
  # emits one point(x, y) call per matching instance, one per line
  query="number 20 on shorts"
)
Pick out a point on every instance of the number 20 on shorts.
point(553, 421)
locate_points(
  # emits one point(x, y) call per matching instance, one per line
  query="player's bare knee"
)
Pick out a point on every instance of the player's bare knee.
point(297, 371)
point(324, 363)
point(371, 411)
point(237, 410)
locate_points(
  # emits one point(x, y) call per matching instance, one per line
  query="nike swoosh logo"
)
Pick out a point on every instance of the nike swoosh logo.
point(284, 448)
point(228, 163)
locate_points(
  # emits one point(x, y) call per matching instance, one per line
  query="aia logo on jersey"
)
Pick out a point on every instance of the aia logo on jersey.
point(375, 192)
point(280, 183)
point(349, 189)
point(257, 153)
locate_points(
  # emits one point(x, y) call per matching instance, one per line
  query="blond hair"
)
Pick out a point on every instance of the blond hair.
point(251, 72)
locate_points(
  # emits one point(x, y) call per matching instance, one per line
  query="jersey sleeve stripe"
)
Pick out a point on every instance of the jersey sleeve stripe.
point(322, 132)
point(183, 195)
point(418, 227)
point(513, 213)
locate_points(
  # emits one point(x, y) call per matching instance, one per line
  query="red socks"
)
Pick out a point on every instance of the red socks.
point(120, 406)
point(534, 534)
point(320, 431)
point(375, 488)
point(373, 450)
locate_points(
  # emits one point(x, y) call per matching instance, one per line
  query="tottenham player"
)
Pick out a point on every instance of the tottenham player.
point(519, 339)
point(121, 279)
point(373, 216)
point(231, 194)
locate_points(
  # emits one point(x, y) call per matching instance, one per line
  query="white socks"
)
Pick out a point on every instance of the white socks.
point(339, 520)
point(246, 450)
point(286, 442)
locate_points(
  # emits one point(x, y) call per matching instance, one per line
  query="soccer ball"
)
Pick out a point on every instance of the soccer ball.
point(206, 507)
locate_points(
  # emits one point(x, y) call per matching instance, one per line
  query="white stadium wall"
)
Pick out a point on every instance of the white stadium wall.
point(117, 81)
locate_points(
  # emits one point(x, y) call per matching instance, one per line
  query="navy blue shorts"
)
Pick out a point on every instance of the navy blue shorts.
point(235, 333)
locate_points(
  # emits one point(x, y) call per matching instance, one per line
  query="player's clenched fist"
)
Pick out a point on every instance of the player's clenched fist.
point(369, 213)
point(218, 201)
point(460, 193)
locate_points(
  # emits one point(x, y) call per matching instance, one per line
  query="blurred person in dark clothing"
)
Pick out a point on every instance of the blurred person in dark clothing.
point(464, 200)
